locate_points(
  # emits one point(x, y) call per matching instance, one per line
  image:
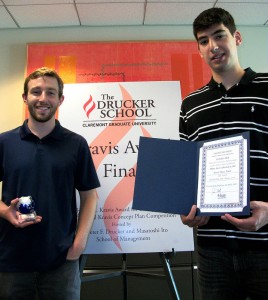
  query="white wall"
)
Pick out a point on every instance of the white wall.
point(13, 45)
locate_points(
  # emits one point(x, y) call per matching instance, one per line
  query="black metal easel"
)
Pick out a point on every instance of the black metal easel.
point(165, 257)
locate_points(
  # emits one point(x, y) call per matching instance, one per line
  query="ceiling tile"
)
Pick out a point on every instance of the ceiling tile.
point(245, 16)
point(102, 14)
point(36, 2)
point(55, 13)
point(5, 19)
point(173, 13)
point(108, 1)
point(45, 15)
point(211, 2)
point(219, 2)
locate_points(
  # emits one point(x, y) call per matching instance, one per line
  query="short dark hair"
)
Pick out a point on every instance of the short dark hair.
point(213, 16)
point(42, 72)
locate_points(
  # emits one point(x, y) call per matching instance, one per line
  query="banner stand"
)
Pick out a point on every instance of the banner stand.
point(124, 273)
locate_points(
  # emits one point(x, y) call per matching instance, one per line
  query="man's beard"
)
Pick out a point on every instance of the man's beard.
point(41, 118)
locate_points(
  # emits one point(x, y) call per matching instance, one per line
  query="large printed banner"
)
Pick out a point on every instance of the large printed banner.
point(123, 62)
point(112, 117)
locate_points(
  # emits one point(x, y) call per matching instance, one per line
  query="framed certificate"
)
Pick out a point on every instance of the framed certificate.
point(223, 176)
point(173, 175)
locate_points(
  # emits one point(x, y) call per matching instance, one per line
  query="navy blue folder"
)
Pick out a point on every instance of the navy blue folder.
point(167, 176)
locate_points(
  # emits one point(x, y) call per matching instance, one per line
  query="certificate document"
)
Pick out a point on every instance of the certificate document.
point(173, 175)
point(222, 176)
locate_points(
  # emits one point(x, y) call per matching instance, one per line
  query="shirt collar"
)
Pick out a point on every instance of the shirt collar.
point(57, 133)
point(246, 79)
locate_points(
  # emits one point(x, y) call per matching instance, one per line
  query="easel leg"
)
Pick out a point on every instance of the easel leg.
point(124, 272)
point(169, 275)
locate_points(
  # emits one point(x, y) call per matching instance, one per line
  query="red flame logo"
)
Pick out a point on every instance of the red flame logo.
point(89, 106)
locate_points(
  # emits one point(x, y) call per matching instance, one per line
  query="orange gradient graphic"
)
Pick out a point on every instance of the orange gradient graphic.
point(122, 193)
point(120, 197)
point(111, 133)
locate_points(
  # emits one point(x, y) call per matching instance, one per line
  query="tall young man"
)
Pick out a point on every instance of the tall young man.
point(232, 252)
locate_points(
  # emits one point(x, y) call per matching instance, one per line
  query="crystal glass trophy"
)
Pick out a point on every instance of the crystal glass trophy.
point(25, 207)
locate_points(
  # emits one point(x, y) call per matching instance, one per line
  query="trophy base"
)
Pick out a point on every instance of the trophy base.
point(27, 217)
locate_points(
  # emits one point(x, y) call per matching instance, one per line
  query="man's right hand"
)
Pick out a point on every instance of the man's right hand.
point(192, 220)
point(11, 214)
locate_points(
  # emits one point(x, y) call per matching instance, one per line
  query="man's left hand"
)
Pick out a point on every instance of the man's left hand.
point(257, 219)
